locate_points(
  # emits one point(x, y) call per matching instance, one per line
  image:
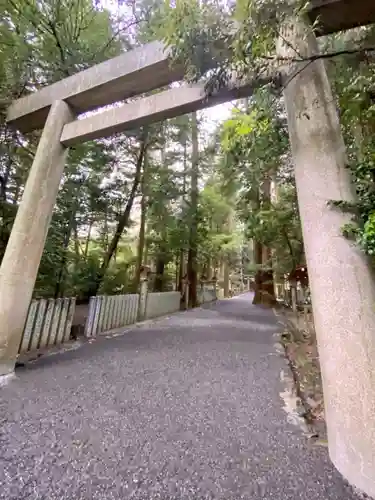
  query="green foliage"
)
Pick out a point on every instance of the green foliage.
point(367, 236)
point(215, 40)
point(254, 143)
point(216, 237)
point(354, 82)
point(41, 42)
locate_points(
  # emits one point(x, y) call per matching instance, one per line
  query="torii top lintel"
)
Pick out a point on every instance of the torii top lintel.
point(148, 68)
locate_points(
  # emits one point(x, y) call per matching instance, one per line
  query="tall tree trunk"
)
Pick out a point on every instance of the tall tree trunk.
point(77, 248)
point(145, 251)
point(258, 252)
point(163, 257)
point(230, 227)
point(268, 287)
point(142, 227)
point(60, 282)
point(106, 230)
point(5, 228)
point(209, 269)
point(181, 272)
point(177, 275)
point(159, 273)
point(182, 268)
point(226, 279)
point(264, 284)
point(6, 213)
point(88, 238)
point(192, 253)
point(123, 220)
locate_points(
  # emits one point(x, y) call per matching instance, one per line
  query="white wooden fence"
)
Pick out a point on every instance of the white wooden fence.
point(116, 311)
point(111, 311)
point(48, 323)
point(161, 303)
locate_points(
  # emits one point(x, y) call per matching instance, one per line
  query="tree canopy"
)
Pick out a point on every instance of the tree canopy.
point(167, 195)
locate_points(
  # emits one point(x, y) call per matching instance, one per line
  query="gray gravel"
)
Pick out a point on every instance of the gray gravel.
point(185, 408)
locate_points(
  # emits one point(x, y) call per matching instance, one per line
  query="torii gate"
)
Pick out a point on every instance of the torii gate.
point(343, 292)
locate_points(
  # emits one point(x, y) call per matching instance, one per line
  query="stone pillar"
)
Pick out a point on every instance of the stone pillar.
point(342, 284)
point(21, 261)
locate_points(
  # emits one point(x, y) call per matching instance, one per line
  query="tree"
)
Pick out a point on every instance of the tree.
point(255, 147)
point(192, 270)
point(42, 43)
point(123, 217)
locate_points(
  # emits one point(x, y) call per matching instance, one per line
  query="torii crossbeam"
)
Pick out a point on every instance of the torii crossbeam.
point(148, 68)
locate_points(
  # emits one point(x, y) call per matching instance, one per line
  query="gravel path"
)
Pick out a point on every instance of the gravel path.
point(187, 408)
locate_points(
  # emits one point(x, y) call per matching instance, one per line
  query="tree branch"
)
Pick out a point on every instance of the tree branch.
point(327, 55)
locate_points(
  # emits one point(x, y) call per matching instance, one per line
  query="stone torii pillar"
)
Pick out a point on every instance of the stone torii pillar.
point(341, 280)
point(21, 261)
